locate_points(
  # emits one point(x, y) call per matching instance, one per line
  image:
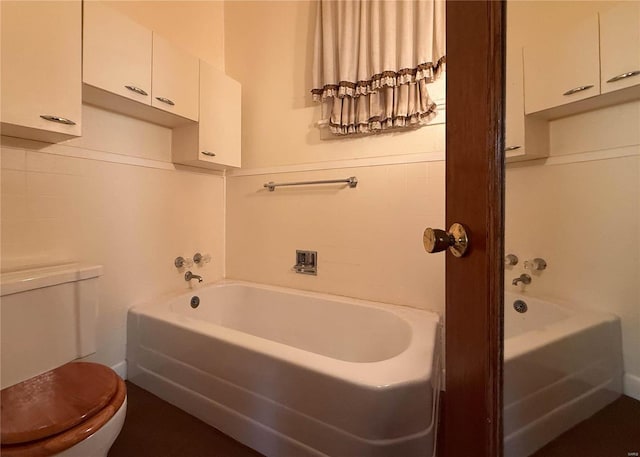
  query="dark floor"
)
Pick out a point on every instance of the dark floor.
point(154, 428)
point(612, 432)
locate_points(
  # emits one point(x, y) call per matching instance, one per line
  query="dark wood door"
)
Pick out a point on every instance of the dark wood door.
point(472, 413)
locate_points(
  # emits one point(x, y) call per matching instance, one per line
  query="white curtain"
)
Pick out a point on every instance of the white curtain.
point(373, 60)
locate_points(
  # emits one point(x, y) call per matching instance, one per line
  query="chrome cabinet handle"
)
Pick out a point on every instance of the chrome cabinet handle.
point(137, 90)
point(511, 148)
point(207, 153)
point(577, 89)
point(628, 74)
point(58, 119)
point(165, 100)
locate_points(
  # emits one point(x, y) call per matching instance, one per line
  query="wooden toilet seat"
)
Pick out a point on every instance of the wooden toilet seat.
point(53, 411)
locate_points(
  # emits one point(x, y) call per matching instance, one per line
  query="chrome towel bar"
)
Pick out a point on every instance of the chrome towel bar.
point(352, 181)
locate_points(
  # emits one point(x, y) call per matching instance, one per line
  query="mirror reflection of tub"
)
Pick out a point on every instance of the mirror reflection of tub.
point(561, 365)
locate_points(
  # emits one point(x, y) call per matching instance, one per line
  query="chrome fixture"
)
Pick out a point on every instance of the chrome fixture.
point(306, 262)
point(511, 148)
point(575, 90)
point(536, 264)
point(188, 276)
point(200, 259)
point(435, 240)
point(137, 90)
point(511, 260)
point(520, 306)
point(523, 278)
point(165, 100)
point(195, 301)
point(352, 181)
point(626, 75)
point(58, 119)
point(180, 262)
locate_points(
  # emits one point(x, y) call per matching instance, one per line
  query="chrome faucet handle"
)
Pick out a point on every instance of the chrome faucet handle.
point(180, 262)
point(200, 259)
point(511, 259)
point(536, 264)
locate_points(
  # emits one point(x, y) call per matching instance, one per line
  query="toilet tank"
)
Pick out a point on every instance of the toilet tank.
point(47, 318)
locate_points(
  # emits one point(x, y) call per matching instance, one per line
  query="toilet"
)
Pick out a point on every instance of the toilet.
point(52, 403)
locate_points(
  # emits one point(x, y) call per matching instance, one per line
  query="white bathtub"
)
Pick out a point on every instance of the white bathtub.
point(293, 373)
point(561, 365)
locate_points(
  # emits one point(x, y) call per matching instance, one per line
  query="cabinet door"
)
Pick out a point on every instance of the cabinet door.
point(220, 112)
point(620, 47)
point(514, 112)
point(175, 79)
point(41, 69)
point(116, 52)
point(563, 69)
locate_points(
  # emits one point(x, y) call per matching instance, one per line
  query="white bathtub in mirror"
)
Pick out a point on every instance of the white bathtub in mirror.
point(561, 365)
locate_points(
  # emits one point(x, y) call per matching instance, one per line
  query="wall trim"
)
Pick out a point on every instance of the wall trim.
point(94, 154)
point(400, 159)
point(121, 369)
point(583, 156)
point(631, 385)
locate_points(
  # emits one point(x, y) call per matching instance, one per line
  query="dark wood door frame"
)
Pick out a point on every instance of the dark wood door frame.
point(472, 414)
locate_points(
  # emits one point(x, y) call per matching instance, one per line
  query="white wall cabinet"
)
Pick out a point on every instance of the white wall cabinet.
point(41, 69)
point(129, 69)
point(174, 79)
point(215, 142)
point(596, 63)
point(562, 70)
point(116, 53)
point(620, 47)
point(526, 137)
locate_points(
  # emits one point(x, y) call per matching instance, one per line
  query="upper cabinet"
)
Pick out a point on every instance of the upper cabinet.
point(214, 142)
point(596, 63)
point(562, 69)
point(116, 53)
point(620, 47)
point(130, 69)
point(174, 79)
point(41, 89)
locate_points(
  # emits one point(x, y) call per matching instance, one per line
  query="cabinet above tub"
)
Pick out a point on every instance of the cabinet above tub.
point(130, 69)
point(592, 65)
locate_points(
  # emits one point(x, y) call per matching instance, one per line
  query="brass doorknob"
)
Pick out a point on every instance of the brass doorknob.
point(436, 240)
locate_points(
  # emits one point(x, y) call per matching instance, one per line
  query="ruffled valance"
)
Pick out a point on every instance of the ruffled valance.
point(373, 60)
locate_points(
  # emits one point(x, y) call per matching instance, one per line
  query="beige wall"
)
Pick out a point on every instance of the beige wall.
point(132, 219)
point(369, 239)
point(269, 50)
point(196, 26)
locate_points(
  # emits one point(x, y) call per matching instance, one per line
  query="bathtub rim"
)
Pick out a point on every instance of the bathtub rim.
point(418, 363)
point(578, 320)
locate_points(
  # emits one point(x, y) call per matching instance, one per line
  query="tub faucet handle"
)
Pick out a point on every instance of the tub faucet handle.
point(188, 276)
point(510, 260)
point(536, 264)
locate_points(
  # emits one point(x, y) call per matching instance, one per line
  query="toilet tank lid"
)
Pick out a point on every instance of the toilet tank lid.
point(23, 280)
